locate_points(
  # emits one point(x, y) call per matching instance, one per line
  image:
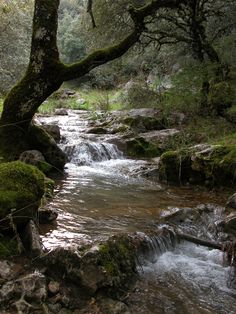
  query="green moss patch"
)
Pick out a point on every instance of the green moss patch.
point(21, 189)
point(140, 148)
point(117, 257)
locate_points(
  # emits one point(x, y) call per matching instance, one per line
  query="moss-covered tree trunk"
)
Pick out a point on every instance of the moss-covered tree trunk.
point(46, 73)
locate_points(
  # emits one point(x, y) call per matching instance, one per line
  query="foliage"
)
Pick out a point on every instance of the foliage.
point(70, 41)
point(8, 247)
point(15, 33)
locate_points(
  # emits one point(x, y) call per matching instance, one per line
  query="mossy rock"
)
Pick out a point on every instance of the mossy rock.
point(144, 123)
point(140, 148)
point(21, 189)
point(219, 166)
point(213, 166)
point(118, 258)
point(175, 167)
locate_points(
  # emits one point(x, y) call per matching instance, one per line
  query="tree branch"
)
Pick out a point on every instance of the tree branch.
point(102, 56)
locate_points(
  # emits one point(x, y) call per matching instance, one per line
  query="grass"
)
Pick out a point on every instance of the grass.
point(1, 105)
point(94, 99)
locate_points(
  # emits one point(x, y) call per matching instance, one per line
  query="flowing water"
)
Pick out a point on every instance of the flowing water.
point(102, 194)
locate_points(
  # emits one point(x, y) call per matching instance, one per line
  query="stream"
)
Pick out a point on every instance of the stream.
point(102, 194)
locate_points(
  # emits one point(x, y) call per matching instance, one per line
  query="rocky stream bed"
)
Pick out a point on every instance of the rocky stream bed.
point(114, 247)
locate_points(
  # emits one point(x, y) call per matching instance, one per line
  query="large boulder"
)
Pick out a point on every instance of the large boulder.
point(21, 189)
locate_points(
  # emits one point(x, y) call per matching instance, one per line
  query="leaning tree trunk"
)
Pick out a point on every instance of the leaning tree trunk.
point(46, 73)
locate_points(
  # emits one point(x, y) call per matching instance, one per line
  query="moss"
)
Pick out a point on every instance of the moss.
point(140, 148)
point(117, 256)
point(175, 167)
point(8, 247)
point(21, 189)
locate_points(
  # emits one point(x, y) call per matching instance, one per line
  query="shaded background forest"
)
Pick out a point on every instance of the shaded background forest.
point(169, 65)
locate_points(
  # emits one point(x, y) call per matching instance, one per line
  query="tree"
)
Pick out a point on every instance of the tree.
point(196, 23)
point(46, 73)
point(15, 29)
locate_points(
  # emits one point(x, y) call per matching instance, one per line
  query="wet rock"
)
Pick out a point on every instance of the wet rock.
point(61, 112)
point(31, 239)
point(47, 216)
point(24, 294)
point(53, 130)
point(179, 215)
point(231, 202)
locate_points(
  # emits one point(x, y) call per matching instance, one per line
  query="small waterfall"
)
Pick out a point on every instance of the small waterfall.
point(85, 153)
point(153, 245)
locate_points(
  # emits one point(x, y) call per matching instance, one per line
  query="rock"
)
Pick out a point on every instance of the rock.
point(110, 266)
point(21, 190)
point(97, 130)
point(47, 145)
point(209, 164)
point(110, 306)
point(31, 240)
point(47, 216)
point(231, 202)
point(35, 158)
point(25, 293)
point(5, 269)
point(140, 148)
point(161, 137)
point(61, 112)
point(53, 130)
point(53, 287)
